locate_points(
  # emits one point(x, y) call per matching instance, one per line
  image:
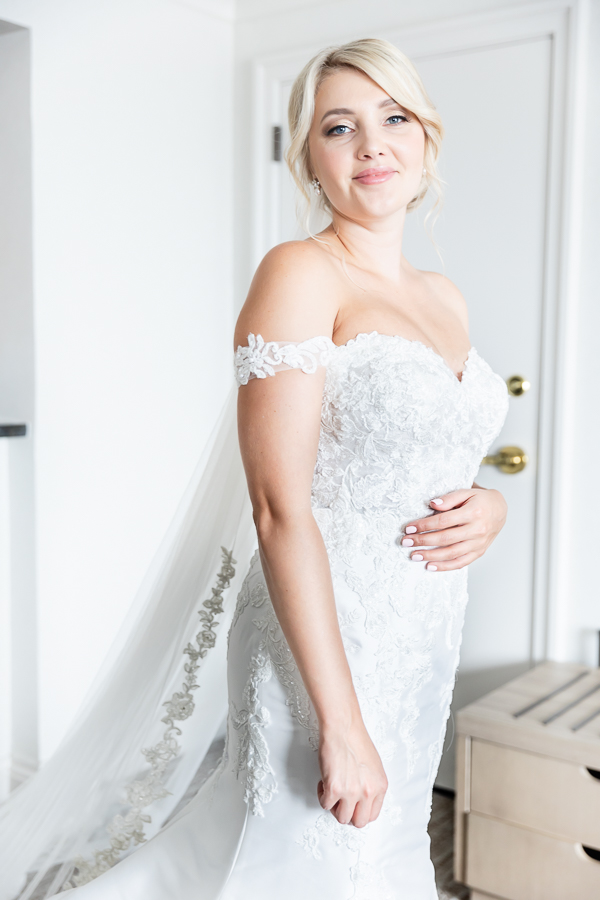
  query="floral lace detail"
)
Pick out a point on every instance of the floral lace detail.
point(273, 657)
point(252, 754)
point(369, 883)
point(256, 596)
point(262, 358)
point(328, 827)
point(128, 828)
point(397, 428)
point(288, 675)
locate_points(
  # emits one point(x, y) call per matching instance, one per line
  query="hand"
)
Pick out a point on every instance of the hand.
point(469, 522)
point(354, 781)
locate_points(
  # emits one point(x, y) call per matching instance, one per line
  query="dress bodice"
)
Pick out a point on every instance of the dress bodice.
point(397, 425)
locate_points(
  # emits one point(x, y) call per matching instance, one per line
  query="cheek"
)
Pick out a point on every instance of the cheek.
point(336, 164)
point(337, 157)
point(412, 149)
point(410, 145)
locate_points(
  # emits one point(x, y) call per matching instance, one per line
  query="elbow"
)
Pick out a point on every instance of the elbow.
point(273, 520)
point(267, 521)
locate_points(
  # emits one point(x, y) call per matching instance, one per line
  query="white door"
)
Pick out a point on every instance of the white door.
point(494, 103)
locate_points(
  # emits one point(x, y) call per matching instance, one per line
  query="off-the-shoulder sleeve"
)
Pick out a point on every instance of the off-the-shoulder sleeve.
point(261, 358)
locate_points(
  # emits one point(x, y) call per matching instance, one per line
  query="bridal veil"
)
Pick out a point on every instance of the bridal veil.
point(157, 703)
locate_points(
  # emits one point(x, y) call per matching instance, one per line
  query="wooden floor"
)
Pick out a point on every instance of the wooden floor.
point(441, 832)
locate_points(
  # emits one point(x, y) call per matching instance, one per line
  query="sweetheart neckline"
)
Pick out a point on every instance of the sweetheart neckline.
point(362, 334)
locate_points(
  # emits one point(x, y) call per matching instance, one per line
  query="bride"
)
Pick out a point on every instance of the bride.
point(363, 415)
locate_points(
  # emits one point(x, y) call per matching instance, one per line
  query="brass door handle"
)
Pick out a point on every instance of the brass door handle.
point(517, 385)
point(508, 459)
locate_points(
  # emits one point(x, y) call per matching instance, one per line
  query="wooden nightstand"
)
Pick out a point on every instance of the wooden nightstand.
point(528, 788)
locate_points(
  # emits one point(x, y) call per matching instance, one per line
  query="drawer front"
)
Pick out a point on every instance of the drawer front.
point(517, 864)
point(549, 795)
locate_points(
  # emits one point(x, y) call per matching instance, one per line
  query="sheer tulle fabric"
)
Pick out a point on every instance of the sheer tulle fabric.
point(99, 772)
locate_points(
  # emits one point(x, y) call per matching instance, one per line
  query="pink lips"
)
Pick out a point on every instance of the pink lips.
point(375, 176)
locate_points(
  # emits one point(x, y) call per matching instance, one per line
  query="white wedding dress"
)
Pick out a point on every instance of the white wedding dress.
point(398, 429)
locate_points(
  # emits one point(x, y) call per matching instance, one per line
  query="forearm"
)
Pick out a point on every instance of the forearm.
point(298, 577)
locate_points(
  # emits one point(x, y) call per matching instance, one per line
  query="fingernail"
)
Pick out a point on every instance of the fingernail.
point(407, 542)
point(416, 556)
point(431, 567)
point(410, 529)
point(437, 500)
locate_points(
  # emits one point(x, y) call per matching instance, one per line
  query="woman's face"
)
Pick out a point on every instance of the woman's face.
point(365, 149)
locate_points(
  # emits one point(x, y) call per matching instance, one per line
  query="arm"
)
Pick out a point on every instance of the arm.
point(279, 424)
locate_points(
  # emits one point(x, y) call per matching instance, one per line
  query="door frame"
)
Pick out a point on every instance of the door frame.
point(565, 23)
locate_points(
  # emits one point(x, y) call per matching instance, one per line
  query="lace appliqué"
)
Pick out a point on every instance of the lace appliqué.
point(262, 358)
point(125, 829)
point(273, 657)
point(288, 675)
point(252, 756)
point(328, 827)
point(255, 596)
point(368, 882)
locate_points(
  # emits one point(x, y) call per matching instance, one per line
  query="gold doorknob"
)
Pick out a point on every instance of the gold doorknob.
point(517, 385)
point(508, 459)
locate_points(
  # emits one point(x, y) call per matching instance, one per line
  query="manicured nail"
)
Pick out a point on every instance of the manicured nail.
point(431, 568)
point(407, 542)
point(410, 529)
point(416, 556)
point(437, 500)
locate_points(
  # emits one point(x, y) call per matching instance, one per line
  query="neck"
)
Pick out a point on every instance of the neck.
point(374, 245)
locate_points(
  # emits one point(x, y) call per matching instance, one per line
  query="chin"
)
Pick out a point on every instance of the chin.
point(382, 207)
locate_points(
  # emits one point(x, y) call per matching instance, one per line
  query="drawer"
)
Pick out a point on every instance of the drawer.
point(516, 864)
point(548, 795)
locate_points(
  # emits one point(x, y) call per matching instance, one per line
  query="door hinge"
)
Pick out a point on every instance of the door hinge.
point(277, 143)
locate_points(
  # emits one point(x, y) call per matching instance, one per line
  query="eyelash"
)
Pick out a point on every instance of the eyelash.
point(331, 131)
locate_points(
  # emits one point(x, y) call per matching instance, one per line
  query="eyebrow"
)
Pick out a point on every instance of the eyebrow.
point(343, 111)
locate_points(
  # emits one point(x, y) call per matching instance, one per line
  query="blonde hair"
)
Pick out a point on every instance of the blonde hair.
point(396, 75)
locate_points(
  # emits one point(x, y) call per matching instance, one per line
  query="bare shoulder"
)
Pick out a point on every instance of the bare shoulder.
point(292, 296)
point(449, 294)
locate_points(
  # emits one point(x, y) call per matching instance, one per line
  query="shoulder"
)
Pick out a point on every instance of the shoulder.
point(447, 292)
point(292, 296)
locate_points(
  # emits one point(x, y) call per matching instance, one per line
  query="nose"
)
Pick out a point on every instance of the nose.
point(371, 145)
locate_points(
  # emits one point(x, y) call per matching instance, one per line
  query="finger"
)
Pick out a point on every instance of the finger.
point(448, 503)
point(451, 500)
point(321, 793)
point(362, 813)
point(343, 811)
point(449, 519)
point(445, 553)
point(328, 797)
point(459, 563)
point(441, 538)
point(376, 806)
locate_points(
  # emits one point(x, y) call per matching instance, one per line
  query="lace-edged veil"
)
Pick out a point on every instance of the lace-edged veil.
point(157, 703)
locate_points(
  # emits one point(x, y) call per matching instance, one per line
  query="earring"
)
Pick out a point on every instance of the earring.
point(316, 186)
point(424, 171)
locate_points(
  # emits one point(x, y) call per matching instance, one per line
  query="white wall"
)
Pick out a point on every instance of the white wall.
point(273, 26)
point(580, 638)
point(132, 136)
point(18, 680)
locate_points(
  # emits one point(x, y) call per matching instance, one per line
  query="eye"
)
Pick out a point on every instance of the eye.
point(398, 118)
point(335, 130)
